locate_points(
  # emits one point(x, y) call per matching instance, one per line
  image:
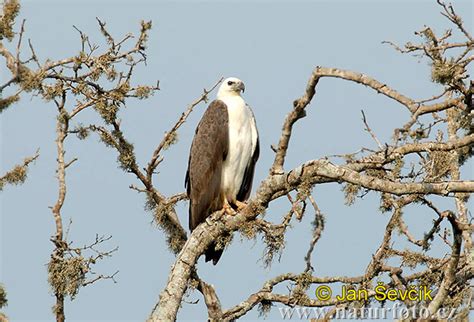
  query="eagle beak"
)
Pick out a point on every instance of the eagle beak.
point(242, 87)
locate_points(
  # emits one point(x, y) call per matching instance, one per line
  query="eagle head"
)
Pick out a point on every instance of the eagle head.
point(231, 86)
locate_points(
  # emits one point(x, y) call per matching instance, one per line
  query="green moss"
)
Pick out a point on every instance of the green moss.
point(15, 176)
point(50, 92)
point(107, 110)
point(11, 8)
point(445, 71)
point(143, 92)
point(171, 139)
point(3, 297)
point(66, 275)
point(7, 102)
point(350, 193)
point(82, 132)
point(30, 80)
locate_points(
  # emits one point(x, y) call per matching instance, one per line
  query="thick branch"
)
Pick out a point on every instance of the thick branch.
point(297, 113)
point(312, 172)
point(263, 294)
point(62, 124)
point(381, 88)
point(212, 301)
point(319, 171)
point(452, 266)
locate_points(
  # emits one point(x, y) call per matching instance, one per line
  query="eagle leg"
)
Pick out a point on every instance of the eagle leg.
point(228, 208)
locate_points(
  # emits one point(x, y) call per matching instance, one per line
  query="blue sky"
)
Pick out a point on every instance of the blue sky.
point(273, 48)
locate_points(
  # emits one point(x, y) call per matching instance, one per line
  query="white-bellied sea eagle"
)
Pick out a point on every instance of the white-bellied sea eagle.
point(222, 159)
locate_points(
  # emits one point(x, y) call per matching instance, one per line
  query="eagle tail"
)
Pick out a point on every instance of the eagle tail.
point(213, 254)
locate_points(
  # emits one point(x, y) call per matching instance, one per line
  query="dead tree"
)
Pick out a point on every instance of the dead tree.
point(72, 84)
point(439, 134)
point(442, 141)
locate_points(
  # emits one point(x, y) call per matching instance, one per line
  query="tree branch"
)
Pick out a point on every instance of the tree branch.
point(168, 138)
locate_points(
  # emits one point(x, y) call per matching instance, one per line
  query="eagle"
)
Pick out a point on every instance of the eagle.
point(222, 158)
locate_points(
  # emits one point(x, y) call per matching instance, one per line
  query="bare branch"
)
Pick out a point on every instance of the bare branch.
point(298, 112)
point(101, 277)
point(318, 229)
point(449, 272)
point(212, 301)
point(454, 18)
point(168, 137)
point(368, 129)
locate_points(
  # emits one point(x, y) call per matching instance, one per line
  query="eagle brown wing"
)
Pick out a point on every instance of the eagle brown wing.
point(208, 152)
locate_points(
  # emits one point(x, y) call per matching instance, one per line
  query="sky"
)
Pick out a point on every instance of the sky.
point(273, 47)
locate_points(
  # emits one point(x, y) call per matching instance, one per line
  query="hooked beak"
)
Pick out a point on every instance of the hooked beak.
point(242, 87)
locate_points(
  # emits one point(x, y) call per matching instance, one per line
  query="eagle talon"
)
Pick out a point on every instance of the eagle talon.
point(228, 209)
point(240, 205)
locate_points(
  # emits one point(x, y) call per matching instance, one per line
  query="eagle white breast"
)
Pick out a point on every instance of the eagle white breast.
point(242, 143)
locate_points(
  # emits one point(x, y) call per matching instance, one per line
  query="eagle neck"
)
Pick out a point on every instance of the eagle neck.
point(232, 101)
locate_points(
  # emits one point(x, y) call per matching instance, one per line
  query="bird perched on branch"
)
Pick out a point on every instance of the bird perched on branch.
point(222, 159)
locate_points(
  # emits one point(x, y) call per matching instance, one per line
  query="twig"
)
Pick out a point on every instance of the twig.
point(166, 139)
point(101, 277)
point(70, 163)
point(318, 225)
point(454, 18)
point(368, 129)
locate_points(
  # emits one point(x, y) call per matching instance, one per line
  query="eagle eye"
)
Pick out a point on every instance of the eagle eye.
point(230, 83)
